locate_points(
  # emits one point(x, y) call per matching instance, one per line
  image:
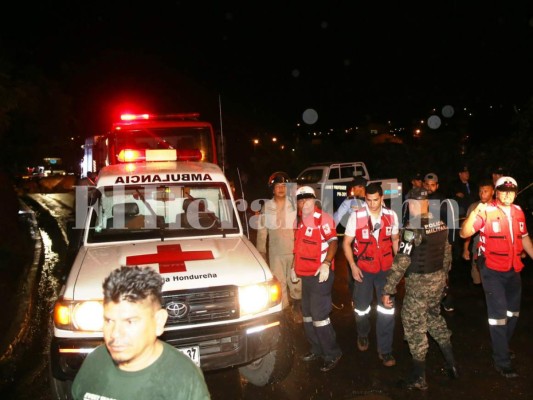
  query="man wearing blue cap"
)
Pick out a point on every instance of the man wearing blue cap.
point(354, 201)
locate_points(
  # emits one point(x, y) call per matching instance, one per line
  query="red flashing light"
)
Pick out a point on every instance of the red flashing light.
point(138, 155)
point(133, 117)
point(161, 117)
point(189, 155)
point(130, 155)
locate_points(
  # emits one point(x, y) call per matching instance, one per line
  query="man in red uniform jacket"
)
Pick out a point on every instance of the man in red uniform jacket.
point(370, 243)
point(503, 238)
point(314, 252)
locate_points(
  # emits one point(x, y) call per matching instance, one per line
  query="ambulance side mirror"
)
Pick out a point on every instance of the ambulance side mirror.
point(93, 196)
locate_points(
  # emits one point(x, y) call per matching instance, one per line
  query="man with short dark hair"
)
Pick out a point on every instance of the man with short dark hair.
point(463, 191)
point(449, 213)
point(373, 231)
point(497, 173)
point(134, 363)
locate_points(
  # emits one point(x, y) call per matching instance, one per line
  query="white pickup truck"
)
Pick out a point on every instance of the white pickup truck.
point(179, 218)
point(331, 181)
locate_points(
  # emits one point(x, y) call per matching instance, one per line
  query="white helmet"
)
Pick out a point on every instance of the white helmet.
point(506, 184)
point(305, 192)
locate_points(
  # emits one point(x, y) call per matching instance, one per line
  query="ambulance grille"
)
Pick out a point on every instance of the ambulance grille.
point(201, 305)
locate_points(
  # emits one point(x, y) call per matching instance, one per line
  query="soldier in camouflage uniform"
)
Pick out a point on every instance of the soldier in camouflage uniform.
point(424, 257)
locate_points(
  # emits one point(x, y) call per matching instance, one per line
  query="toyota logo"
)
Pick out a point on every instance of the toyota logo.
point(177, 310)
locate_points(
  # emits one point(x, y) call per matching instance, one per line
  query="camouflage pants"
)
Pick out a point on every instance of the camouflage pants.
point(421, 312)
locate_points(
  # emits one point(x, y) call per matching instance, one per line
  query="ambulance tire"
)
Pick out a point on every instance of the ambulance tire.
point(274, 366)
point(61, 390)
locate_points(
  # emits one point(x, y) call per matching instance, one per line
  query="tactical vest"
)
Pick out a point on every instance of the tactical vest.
point(495, 242)
point(428, 256)
point(373, 255)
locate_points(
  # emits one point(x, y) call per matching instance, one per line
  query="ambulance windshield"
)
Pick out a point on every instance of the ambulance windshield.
point(138, 212)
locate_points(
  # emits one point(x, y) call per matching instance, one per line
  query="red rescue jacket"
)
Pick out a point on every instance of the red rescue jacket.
point(495, 241)
point(310, 246)
point(373, 255)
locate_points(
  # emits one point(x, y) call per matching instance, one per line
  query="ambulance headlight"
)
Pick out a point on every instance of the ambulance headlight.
point(79, 315)
point(257, 298)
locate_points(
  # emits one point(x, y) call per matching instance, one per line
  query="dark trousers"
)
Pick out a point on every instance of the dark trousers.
point(363, 295)
point(316, 307)
point(503, 292)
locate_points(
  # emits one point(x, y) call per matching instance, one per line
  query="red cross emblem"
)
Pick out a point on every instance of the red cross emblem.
point(170, 258)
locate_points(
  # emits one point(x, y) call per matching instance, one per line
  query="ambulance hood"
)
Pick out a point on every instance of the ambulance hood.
point(185, 264)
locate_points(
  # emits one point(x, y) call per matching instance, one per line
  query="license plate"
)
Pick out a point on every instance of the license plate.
point(192, 352)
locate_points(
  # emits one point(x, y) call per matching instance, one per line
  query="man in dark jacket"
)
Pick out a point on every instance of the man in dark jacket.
point(424, 258)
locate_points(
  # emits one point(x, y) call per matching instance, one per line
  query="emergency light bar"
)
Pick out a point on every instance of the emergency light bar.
point(134, 155)
point(189, 155)
point(136, 117)
point(129, 155)
point(133, 117)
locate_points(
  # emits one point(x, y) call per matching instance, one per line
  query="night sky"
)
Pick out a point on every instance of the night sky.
point(270, 61)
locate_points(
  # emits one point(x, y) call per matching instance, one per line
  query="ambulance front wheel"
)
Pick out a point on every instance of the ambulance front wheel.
point(274, 366)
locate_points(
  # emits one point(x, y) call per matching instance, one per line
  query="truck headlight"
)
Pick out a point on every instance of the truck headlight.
point(259, 297)
point(79, 315)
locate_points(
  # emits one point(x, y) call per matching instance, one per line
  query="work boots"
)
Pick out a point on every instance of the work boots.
point(451, 369)
point(417, 379)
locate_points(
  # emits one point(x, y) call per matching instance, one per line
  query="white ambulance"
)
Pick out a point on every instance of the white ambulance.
point(180, 218)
